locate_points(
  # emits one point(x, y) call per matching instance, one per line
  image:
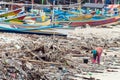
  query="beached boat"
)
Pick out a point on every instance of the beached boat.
point(37, 21)
point(18, 18)
point(95, 22)
point(81, 17)
point(41, 30)
point(25, 20)
point(11, 13)
point(30, 23)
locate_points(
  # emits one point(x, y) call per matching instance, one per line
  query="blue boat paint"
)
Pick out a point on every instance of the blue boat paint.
point(29, 31)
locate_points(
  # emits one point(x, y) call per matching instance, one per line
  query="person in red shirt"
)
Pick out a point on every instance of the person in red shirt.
point(97, 54)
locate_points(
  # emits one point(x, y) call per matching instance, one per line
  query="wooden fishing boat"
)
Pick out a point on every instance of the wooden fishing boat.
point(11, 13)
point(81, 17)
point(12, 16)
point(34, 22)
point(95, 22)
point(18, 18)
point(23, 20)
point(29, 23)
point(41, 30)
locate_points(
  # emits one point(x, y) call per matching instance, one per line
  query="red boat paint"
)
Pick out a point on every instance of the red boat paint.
point(17, 11)
point(21, 17)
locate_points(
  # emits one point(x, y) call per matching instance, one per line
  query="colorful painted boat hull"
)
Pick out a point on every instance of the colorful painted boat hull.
point(29, 24)
point(16, 19)
point(41, 30)
point(95, 23)
point(11, 13)
point(82, 17)
point(38, 33)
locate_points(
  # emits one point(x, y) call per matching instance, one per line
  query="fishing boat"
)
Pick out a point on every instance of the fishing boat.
point(25, 20)
point(11, 13)
point(81, 17)
point(108, 16)
point(41, 30)
point(37, 21)
point(29, 26)
point(10, 23)
point(18, 18)
point(30, 23)
point(95, 22)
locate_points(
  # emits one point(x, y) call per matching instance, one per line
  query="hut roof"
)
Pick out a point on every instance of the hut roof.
point(93, 5)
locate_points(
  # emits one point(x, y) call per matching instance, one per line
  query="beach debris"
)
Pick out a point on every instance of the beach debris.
point(29, 65)
point(34, 57)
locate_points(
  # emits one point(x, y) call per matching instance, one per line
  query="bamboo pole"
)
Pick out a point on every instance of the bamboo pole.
point(32, 3)
point(53, 13)
point(42, 1)
point(89, 1)
point(79, 7)
point(70, 1)
point(103, 1)
point(12, 5)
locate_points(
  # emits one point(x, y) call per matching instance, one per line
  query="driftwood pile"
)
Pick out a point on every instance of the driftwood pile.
point(34, 57)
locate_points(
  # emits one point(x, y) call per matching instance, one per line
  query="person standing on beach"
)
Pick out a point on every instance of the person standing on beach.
point(97, 54)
